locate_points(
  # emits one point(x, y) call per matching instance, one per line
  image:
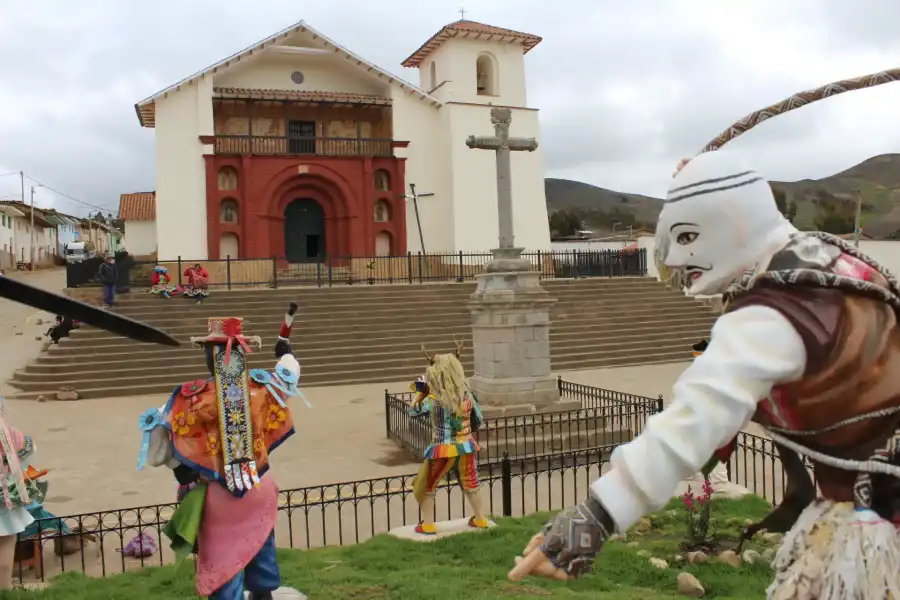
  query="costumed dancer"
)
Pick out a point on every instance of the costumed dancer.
point(217, 435)
point(198, 283)
point(162, 283)
point(455, 415)
point(809, 348)
point(20, 491)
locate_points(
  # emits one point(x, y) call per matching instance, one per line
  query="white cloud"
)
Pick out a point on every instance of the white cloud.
point(625, 89)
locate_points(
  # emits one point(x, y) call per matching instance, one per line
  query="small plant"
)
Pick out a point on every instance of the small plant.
point(697, 509)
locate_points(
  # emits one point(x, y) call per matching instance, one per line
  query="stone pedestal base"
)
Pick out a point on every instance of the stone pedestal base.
point(518, 396)
point(444, 529)
point(511, 336)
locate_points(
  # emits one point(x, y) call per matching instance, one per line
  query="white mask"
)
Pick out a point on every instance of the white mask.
point(716, 222)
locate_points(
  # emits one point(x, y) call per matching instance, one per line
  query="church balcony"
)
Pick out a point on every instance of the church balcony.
point(304, 123)
point(303, 146)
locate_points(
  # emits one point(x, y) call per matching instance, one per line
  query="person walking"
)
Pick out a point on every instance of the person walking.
point(107, 277)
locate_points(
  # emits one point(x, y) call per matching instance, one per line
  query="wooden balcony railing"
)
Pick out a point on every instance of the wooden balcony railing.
point(312, 146)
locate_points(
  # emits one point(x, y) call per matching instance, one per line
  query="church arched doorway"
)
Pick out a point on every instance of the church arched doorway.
point(304, 231)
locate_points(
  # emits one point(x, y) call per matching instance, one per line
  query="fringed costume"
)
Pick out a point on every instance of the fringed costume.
point(809, 348)
point(443, 394)
point(217, 435)
point(21, 491)
point(162, 283)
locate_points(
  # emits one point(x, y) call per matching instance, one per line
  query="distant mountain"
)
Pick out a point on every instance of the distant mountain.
point(877, 179)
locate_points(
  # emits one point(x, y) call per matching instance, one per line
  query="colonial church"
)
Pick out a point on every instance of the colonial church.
point(298, 148)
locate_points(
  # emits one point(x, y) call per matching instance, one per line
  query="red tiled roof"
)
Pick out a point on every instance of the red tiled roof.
point(300, 96)
point(469, 29)
point(140, 206)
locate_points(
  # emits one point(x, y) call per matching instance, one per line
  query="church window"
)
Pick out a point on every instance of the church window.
point(486, 75)
point(433, 69)
point(382, 180)
point(228, 179)
point(228, 211)
point(382, 212)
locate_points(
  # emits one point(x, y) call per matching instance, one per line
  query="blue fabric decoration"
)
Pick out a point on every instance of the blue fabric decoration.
point(284, 381)
point(150, 420)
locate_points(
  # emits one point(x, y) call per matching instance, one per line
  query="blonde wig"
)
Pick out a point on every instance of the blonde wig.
point(447, 382)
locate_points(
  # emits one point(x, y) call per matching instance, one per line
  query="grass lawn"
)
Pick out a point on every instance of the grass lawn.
point(471, 566)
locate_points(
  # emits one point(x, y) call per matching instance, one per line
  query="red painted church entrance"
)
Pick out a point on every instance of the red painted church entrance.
point(304, 209)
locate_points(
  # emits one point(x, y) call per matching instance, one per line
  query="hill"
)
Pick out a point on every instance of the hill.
point(877, 179)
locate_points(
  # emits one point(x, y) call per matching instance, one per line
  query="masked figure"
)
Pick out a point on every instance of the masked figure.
point(21, 491)
point(455, 415)
point(809, 348)
point(217, 435)
point(162, 283)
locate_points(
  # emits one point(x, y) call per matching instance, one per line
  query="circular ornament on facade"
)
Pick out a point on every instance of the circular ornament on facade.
point(297, 77)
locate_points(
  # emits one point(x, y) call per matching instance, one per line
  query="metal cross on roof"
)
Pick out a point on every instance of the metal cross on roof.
point(462, 14)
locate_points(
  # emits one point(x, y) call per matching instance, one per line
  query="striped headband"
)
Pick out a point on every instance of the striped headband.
point(713, 185)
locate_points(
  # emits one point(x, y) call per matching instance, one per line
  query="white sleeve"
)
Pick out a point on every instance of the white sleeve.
point(751, 350)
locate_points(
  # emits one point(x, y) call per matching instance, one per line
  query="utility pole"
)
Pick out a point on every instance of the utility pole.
point(32, 228)
point(856, 231)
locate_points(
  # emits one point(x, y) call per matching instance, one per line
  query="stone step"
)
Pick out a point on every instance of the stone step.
point(125, 380)
point(249, 305)
point(113, 387)
point(194, 313)
point(430, 336)
point(386, 319)
point(388, 351)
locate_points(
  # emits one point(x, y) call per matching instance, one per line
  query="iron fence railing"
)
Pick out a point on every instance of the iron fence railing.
point(755, 465)
point(411, 268)
point(603, 418)
point(351, 512)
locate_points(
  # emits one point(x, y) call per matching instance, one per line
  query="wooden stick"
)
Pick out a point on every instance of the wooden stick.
point(528, 564)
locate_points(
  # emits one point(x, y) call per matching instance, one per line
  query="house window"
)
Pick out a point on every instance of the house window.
point(486, 75)
point(382, 180)
point(433, 70)
point(228, 211)
point(382, 212)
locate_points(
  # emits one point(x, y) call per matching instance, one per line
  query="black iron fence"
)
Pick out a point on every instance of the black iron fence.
point(351, 512)
point(597, 418)
point(411, 268)
point(755, 465)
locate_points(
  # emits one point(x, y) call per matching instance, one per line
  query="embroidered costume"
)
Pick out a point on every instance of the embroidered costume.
point(217, 434)
point(809, 348)
point(443, 394)
point(20, 490)
point(197, 282)
point(162, 283)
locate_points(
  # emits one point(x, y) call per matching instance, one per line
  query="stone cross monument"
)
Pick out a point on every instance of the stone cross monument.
point(510, 310)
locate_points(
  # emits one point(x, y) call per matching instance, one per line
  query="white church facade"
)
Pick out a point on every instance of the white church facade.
point(299, 149)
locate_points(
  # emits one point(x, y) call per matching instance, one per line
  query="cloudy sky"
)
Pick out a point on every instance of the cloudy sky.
point(624, 89)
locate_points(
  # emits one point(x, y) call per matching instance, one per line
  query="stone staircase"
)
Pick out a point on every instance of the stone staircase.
point(363, 334)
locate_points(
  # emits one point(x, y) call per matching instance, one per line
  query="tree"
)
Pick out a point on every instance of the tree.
point(788, 210)
point(565, 222)
point(835, 216)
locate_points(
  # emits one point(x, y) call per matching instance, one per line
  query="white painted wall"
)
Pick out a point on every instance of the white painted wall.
point(455, 63)
point(427, 166)
point(140, 237)
point(181, 172)
point(320, 73)
point(474, 176)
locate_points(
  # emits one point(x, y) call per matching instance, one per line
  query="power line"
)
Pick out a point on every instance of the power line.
point(9, 174)
point(64, 195)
